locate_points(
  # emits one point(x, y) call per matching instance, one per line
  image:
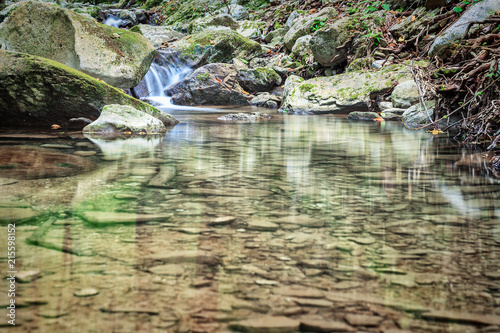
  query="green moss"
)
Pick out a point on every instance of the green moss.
point(203, 77)
point(136, 29)
point(306, 87)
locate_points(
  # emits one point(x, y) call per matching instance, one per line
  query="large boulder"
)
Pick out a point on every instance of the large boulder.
point(456, 32)
point(307, 25)
point(327, 42)
point(217, 45)
point(259, 79)
point(212, 84)
point(119, 57)
point(301, 51)
point(38, 92)
point(212, 22)
point(158, 35)
point(123, 119)
point(341, 93)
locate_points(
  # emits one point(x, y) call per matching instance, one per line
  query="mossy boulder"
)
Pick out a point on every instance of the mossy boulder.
point(212, 84)
point(301, 51)
point(218, 45)
point(38, 92)
point(158, 35)
point(124, 119)
point(212, 22)
point(405, 94)
point(416, 116)
point(258, 80)
point(413, 24)
point(307, 26)
point(251, 29)
point(236, 11)
point(329, 44)
point(342, 93)
point(119, 57)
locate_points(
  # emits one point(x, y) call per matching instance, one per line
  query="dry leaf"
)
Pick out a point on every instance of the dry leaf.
point(379, 119)
point(401, 39)
point(436, 131)
point(55, 126)
point(413, 18)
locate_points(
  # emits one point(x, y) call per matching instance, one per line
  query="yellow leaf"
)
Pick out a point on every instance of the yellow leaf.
point(436, 132)
point(401, 39)
point(413, 18)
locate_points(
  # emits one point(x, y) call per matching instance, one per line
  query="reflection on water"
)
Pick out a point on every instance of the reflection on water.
point(310, 224)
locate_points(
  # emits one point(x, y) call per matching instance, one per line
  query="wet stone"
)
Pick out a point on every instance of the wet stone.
point(261, 225)
point(299, 292)
point(28, 276)
point(312, 324)
point(266, 324)
point(110, 218)
point(86, 292)
point(223, 220)
point(363, 320)
point(169, 269)
point(321, 303)
point(17, 215)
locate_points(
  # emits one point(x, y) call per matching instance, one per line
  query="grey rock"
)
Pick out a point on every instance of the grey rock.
point(413, 24)
point(258, 79)
point(236, 11)
point(86, 292)
point(456, 32)
point(341, 93)
point(291, 82)
point(212, 84)
point(358, 115)
point(158, 35)
point(212, 22)
point(251, 29)
point(327, 42)
point(118, 119)
point(416, 116)
point(266, 100)
point(303, 26)
point(385, 106)
point(405, 94)
point(119, 57)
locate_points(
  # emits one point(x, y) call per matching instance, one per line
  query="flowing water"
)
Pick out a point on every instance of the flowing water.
point(298, 223)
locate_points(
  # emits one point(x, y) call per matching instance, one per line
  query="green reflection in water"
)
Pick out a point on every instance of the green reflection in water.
point(314, 218)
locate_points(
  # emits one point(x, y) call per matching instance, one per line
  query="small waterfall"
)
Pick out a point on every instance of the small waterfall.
point(166, 69)
point(114, 21)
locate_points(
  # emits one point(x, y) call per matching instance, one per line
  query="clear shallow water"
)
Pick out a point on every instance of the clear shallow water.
point(335, 225)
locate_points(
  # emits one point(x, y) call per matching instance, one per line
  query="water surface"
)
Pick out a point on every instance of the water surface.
point(336, 225)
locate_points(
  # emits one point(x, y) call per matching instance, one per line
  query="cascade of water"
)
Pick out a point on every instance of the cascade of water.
point(166, 70)
point(113, 21)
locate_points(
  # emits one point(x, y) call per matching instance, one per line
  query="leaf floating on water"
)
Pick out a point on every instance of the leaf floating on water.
point(55, 126)
point(436, 131)
point(379, 119)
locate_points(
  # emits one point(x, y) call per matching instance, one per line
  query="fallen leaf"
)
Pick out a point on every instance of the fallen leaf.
point(413, 18)
point(218, 80)
point(401, 39)
point(55, 126)
point(379, 119)
point(436, 131)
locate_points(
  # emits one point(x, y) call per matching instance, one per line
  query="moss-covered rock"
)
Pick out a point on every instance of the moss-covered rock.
point(212, 22)
point(38, 92)
point(307, 26)
point(301, 51)
point(413, 24)
point(342, 93)
point(251, 29)
point(124, 119)
point(218, 45)
point(259, 79)
point(327, 42)
point(212, 84)
point(119, 57)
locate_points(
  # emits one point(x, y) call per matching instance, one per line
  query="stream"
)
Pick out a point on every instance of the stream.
point(297, 223)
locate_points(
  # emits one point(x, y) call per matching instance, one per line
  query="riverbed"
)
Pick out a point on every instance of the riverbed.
point(295, 223)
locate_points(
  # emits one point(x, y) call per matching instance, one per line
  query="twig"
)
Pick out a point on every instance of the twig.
point(421, 95)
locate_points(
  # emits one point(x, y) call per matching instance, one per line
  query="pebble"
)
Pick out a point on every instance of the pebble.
point(28, 276)
point(86, 292)
point(261, 225)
